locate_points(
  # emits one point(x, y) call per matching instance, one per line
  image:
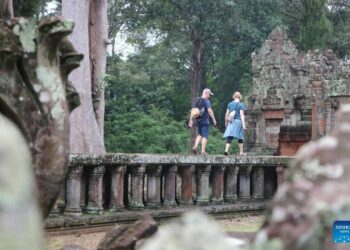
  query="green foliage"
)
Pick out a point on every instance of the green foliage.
point(26, 8)
point(34, 8)
point(308, 25)
point(146, 107)
point(158, 76)
point(339, 41)
point(229, 66)
point(151, 91)
point(151, 132)
point(314, 25)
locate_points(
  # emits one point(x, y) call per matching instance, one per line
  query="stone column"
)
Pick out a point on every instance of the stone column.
point(330, 105)
point(318, 99)
point(218, 184)
point(117, 188)
point(95, 190)
point(258, 183)
point(170, 185)
point(244, 182)
point(136, 192)
point(203, 172)
point(318, 111)
point(154, 186)
point(186, 185)
point(230, 192)
point(73, 184)
point(280, 175)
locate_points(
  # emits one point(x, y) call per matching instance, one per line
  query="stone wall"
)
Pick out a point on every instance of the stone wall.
point(294, 95)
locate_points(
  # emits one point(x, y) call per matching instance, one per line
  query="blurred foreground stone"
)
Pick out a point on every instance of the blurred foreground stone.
point(126, 237)
point(194, 231)
point(314, 195)
point(35, 99)
point(20, 218)
point(35, 60)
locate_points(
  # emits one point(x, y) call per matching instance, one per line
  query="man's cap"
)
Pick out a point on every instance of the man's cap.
point(208, 91)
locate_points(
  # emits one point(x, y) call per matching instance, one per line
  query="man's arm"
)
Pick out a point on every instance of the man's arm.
point(190, 122)
point(211, 114)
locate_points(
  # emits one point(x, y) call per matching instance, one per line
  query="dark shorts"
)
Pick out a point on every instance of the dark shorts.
point(203, 130)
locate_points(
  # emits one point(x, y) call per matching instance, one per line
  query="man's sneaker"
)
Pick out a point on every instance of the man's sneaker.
point(194, 151)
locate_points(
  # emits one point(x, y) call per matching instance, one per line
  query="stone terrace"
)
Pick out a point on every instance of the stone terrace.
point(120, 188)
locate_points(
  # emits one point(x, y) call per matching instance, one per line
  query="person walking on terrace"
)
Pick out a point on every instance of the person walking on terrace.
point(234, 123)
point(202, 119)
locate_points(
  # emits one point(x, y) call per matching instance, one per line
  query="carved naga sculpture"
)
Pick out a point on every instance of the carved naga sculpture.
point(35, 94)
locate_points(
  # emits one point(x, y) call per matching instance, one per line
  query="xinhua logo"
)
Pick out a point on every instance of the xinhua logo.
point(341, 231)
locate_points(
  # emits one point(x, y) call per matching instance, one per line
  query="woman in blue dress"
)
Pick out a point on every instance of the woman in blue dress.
point(234, 123)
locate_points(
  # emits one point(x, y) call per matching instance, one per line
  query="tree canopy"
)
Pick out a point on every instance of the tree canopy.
point(182, 46)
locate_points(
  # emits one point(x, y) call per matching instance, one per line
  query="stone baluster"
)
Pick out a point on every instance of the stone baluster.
point(117, 188)
point(154, 186)
point(230, 192)
point(95, 190)
point(203, 172)
point(244, 182)
point(136, 192)
point(73, 184)
point(186, 185)
point(170, 185)
point(280, 175)
point(218, 184)
point(258, 183)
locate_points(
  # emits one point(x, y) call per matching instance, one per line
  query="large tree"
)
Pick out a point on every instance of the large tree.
point(197, 21)
point(339, 15)
point(308, 23)
point(90, 38)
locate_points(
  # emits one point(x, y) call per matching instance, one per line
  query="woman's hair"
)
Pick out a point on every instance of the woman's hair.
point(237, 95)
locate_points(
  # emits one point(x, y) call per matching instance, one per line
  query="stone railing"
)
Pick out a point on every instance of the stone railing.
point(114, 183)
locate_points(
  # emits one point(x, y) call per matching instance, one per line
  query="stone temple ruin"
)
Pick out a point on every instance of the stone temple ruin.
point(295, 96)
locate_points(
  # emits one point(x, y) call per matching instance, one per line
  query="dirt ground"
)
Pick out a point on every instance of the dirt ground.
point(91, 240)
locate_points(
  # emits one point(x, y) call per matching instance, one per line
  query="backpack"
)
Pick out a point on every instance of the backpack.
point(198, 108)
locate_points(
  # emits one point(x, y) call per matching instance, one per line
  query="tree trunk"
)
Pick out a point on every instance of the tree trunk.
point(98, 52)
point(198, 76)
point(84, 131)
point(6, 9)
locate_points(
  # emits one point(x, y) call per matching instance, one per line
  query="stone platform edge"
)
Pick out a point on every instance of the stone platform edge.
point(63, 223)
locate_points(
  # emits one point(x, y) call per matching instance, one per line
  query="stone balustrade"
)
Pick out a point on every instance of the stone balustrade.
point(114, 183)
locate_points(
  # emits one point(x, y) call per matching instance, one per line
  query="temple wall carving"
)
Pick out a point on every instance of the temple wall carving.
point(294, 95)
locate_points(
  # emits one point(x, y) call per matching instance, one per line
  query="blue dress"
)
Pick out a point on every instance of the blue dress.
point(235, 128)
